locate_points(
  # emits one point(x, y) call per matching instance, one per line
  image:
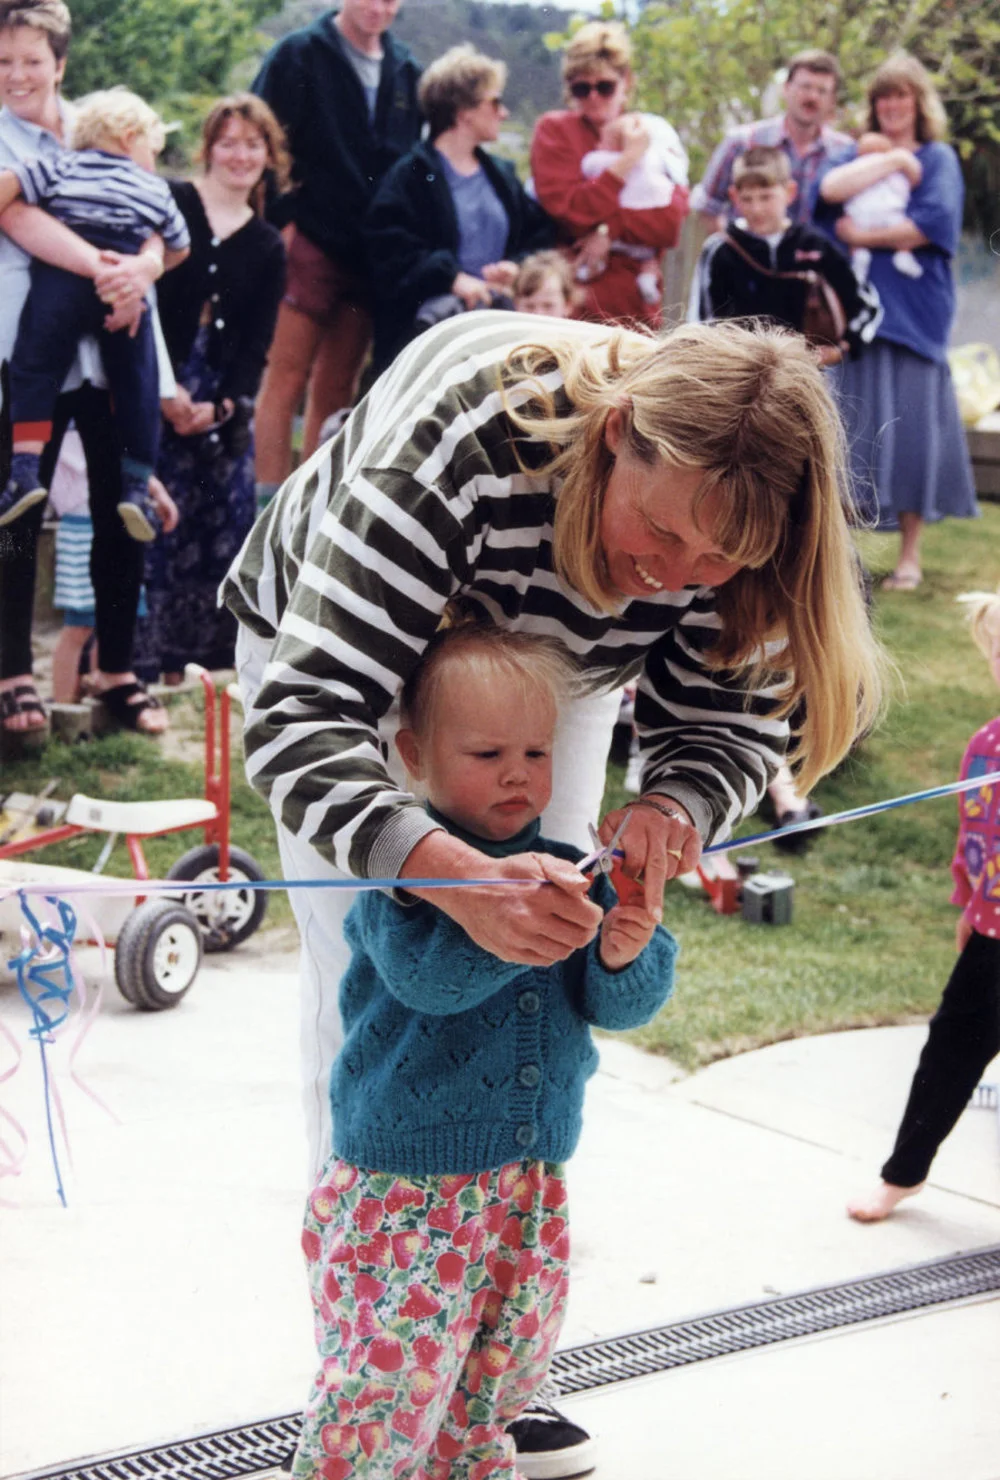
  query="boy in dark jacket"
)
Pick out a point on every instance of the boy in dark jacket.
point(749, 270)
point(346, 94)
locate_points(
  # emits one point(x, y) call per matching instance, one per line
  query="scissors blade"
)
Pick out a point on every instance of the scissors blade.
point(603, 855)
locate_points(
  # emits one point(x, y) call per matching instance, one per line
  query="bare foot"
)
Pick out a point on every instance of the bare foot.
point(881, 1203)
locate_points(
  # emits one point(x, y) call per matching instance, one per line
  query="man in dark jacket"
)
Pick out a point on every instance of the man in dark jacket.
point(346, 93)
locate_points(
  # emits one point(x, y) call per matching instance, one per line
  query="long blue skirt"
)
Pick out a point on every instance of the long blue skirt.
point(215, 497)
point(907, 443)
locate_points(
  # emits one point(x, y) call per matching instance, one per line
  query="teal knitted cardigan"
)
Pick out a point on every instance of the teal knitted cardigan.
point(456, 1061)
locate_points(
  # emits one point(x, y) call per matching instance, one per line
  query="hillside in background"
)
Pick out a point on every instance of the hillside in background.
point(514, 33)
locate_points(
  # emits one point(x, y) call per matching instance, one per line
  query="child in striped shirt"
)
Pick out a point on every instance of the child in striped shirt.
point(107, 191)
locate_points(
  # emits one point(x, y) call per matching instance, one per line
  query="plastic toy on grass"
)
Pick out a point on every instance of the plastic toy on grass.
point(159, 942)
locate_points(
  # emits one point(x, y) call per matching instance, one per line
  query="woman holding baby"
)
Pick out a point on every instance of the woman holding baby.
point(911, 463)
point(616, 181)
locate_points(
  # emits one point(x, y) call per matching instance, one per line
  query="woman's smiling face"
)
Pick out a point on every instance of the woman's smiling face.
point(649, 535)
point(29, 74)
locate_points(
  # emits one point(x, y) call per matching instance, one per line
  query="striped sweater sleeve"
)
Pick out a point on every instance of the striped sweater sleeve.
point(348, 571)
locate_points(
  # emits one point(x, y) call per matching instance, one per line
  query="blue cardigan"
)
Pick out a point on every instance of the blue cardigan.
point(456, 1061)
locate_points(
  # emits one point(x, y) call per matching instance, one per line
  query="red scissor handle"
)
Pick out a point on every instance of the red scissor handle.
point(629, 890)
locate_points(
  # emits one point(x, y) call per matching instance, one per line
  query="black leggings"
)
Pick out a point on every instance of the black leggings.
point(963, 1035)
point(116, 560)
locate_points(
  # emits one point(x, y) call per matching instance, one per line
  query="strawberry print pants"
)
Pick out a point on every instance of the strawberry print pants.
point(437, 1304)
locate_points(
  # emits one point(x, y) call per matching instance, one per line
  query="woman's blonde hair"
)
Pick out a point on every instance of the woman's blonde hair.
point(459, 79)
point(902, 73)
point(749, 407)
point(113, 115)
point(598, 43)
point(983, 615)
point(254, 111)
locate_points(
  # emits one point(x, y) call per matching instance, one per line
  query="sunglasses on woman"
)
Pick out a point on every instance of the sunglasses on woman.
point(603, 89)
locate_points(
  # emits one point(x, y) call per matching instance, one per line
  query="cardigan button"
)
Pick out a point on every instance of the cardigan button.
point(213, 267)
point(220, 323)
point(530, 1076)
point(525, 1135)
point(529, 1003)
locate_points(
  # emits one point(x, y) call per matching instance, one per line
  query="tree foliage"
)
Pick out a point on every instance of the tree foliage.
point(161, 48)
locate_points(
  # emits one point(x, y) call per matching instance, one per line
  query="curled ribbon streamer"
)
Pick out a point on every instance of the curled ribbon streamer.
point(88, 1014)
point(44, 966)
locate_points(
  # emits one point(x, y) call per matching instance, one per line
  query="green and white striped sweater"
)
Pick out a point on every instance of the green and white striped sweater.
point(420, 499)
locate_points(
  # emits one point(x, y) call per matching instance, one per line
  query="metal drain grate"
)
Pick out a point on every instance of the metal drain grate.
point(256, 1447)
point(581, 1368)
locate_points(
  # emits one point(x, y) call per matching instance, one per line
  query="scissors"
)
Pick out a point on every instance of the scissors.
point(608, 859)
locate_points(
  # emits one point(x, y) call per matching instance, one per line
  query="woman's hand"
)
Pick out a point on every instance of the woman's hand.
point(472, 290)
point(122, 278)
point(188, 417)
point(500, 274)
point(849, 232)
point(635, 142)
point(592, 254)
point(656, 847)
point(531, 926)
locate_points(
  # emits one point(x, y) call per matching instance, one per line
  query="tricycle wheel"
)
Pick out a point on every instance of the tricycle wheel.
point(227, 917)
point(157, 954)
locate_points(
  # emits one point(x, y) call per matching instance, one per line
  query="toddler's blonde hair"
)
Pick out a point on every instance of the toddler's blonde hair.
point(983, 616)
point(533, 663)
point(111, 116)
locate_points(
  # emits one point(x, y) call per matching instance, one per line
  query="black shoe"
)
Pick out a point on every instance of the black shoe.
point(549, 1446)
point(797, 842)
point(137, 510)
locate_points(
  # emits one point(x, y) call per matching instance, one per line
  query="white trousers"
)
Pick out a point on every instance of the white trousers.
point(580, 761)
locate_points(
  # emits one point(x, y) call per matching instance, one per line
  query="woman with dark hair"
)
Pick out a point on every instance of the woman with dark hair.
point(218, 318)
point(450, 219)
point(911, 462)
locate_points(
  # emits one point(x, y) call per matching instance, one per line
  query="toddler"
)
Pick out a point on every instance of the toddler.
point(106, 189)
point(437, 1238)
point(883, 204)
point(544, 284)
point(649, 185)
point(964, 1033)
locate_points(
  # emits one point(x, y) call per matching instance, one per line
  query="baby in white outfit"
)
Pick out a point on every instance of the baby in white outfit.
point(650, 184)
point(881, 204)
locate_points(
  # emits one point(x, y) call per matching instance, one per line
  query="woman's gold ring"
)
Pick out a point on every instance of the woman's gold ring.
point(674, 853)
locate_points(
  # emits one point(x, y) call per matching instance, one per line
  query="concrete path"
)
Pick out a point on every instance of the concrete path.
point(168, 1298)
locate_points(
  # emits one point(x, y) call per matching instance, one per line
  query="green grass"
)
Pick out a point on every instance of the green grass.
point(872, 940)
point(872, 936)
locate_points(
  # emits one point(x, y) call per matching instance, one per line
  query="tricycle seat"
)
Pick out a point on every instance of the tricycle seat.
point(140, 819)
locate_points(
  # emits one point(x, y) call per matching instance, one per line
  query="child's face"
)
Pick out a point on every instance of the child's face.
point(486, 758)
point(765, 207)
point(548, 298)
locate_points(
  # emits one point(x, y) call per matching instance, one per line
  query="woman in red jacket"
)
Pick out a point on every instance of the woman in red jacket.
point(621, 245)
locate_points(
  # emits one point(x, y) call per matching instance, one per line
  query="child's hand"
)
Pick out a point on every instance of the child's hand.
point(963, 933)
point(627, 930)
point(164, 505)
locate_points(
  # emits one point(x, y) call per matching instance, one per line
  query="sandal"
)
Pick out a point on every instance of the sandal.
point(125, 708)
point(22, 700)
